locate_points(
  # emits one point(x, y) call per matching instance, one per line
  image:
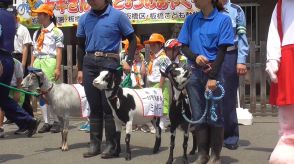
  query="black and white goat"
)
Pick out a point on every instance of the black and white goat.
point(127, 108)
point(178, 77)
point(61, 99)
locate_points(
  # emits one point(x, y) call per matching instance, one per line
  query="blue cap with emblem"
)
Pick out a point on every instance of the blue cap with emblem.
point(34, 70)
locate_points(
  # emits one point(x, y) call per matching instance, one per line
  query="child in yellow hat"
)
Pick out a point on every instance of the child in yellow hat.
point(47, 55)
point(157, 65)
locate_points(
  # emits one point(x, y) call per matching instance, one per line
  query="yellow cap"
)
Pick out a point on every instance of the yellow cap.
point(44, 8)
point(155, 38)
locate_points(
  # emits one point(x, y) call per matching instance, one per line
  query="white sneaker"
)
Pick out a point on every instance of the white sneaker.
point(152, 130)
point(163, 123)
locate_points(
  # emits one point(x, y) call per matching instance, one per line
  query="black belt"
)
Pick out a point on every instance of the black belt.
point(16, 53)
point(4, 52)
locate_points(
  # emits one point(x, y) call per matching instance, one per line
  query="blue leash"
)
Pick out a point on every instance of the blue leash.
point(209, 97)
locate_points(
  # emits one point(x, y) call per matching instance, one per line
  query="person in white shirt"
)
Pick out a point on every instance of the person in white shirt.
point(138, 70)
point(280, 66)
point(156, 67)
point(47, 55)
point(16, 82)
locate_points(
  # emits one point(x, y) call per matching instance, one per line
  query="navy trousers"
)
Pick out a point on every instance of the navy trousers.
point(92, 67)
point(12, 110)
point(196, 89)
point(231, 82)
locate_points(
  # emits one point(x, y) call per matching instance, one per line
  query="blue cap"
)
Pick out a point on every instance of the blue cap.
point(34, 70)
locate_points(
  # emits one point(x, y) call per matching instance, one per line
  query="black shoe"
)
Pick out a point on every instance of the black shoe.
point(21, 131)
point(32, 129)
point(96, 132)
point(202, 137)
point(111, 148)
point(55, 128)
point(216, 144)
point(46, 128)
point(231, 146)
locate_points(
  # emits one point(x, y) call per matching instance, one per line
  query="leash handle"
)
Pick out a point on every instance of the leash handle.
point(208, 96)
point(209, 93)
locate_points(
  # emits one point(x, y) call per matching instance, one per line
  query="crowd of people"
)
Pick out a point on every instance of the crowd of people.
point(211, 42)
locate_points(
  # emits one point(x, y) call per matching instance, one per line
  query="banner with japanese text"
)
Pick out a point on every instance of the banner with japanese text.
point(68, 12)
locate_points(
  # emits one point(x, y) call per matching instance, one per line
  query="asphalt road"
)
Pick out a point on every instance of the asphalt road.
point(256, 144)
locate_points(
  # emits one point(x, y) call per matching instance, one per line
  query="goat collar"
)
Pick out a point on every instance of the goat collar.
point(114, 93)
point(46, 91)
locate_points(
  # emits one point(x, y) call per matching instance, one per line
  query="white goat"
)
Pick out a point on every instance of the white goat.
point(127, 108)
point(61, 99)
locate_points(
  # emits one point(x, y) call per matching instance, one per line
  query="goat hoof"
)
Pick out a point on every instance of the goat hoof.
point(184, 160)
point(157, 145)
point(64, 149)
point(192, 152)
point(128, 157)
point(155, 150)
point(169, 161)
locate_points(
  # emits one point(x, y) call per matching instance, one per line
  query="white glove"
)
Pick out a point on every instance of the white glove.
point(272, 67)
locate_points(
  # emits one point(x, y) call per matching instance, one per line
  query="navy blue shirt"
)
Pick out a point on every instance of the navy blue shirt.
point(205, 35)
point(7, 30)
point(104, 33)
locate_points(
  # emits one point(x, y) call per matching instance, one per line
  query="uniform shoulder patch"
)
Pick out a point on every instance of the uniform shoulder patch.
point(237, 7)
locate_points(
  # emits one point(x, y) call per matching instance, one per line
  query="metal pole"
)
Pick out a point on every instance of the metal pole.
point(256, 26)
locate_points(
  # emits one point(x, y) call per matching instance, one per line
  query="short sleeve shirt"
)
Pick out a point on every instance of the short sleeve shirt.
point(18, 72)
point(160, 63)
point(205, 35)
point(104, 33)
point(22, 37)
point(135, 75)
point(53, 39)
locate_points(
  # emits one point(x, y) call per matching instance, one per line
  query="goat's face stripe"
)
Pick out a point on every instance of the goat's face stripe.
point(180, 77)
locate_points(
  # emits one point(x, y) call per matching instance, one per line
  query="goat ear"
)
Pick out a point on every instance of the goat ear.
point(175, 65)
point(40, 74)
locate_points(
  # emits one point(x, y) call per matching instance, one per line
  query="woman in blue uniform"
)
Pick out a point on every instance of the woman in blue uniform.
point(205, 37)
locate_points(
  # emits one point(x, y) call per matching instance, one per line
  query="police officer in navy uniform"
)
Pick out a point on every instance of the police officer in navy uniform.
point(11, 109)
point(234, 65)
point(99, 33)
